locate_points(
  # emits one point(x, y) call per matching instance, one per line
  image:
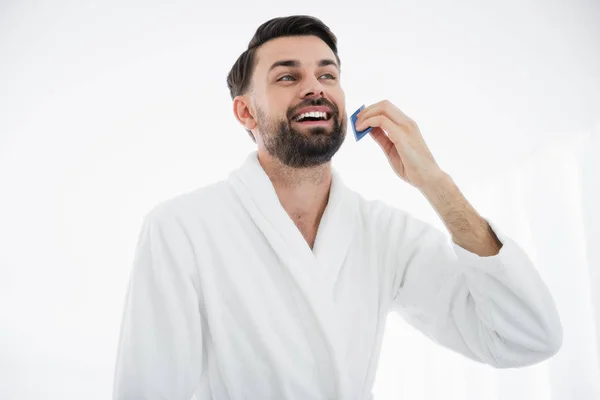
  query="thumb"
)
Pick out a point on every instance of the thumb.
point(382, 139)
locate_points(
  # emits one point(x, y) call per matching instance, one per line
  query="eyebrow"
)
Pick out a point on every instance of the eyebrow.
point(296, 64)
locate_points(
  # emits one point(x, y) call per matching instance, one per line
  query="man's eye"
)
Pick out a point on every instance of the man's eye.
point(330, 76)
point(285, 76)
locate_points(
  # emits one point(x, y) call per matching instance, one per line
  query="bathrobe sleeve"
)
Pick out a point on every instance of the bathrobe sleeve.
point(495, 310)
point(160, 346)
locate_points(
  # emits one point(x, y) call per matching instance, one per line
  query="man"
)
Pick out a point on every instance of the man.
point(276, 282)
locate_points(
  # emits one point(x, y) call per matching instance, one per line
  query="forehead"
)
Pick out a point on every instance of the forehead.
point(308, 50)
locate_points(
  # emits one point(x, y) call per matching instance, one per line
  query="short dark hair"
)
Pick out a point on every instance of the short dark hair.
point(240, 75)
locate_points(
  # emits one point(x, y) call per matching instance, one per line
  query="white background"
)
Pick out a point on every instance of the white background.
point(108, 107)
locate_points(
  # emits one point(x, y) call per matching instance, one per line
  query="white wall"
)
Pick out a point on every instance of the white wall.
point(108, 107)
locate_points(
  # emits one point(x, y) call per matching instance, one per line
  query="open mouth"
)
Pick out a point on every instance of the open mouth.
point(313, 118)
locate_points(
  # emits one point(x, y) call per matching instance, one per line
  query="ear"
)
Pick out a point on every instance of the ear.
point(243, 113)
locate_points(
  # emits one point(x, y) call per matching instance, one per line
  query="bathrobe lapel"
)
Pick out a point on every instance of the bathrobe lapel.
point(315, 273)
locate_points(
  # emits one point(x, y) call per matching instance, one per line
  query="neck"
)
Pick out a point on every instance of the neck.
point(303, 192)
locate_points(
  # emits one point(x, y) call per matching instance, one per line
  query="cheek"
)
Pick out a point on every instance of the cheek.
point(340, 101)
point(341, 108)
point(280, 95)
point(278, 108)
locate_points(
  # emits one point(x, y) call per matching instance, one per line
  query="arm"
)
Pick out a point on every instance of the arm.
point(495, 309)
point(468, 229)
point(160, 346)
point(479, 295)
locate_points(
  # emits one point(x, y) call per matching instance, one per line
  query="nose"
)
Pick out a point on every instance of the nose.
point(312, 88)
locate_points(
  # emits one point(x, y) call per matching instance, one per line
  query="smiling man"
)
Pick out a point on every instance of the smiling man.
point(275, 283)
point(299, 129)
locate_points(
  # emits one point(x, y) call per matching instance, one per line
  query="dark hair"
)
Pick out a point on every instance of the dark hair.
point(240, 75)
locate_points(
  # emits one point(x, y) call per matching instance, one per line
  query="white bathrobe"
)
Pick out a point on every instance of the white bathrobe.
point(226, 299)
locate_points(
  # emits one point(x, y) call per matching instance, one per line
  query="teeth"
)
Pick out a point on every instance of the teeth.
point(312, 114)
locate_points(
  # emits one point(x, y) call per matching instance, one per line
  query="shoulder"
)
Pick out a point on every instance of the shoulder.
point(391, 221)
point(192, 205)
point(381, 214)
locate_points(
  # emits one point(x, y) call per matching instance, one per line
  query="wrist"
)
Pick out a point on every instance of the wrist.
point(435, 182)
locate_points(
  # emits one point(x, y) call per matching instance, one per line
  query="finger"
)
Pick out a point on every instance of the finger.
point(382, 140)
point(394, 131)
point(387, 146)
point(380, 121)
point(386, 108)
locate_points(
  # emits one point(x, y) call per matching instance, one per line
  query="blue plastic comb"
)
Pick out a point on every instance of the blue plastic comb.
point(358, 134)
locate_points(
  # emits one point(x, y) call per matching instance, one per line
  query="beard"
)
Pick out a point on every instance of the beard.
point(309, 147)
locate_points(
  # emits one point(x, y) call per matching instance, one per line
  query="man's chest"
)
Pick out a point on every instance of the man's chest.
point(271, 302)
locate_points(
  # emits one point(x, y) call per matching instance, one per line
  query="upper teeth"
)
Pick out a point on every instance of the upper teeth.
point(312, 114)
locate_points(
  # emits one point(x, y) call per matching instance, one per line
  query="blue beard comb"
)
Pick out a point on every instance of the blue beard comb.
point(358, 134)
